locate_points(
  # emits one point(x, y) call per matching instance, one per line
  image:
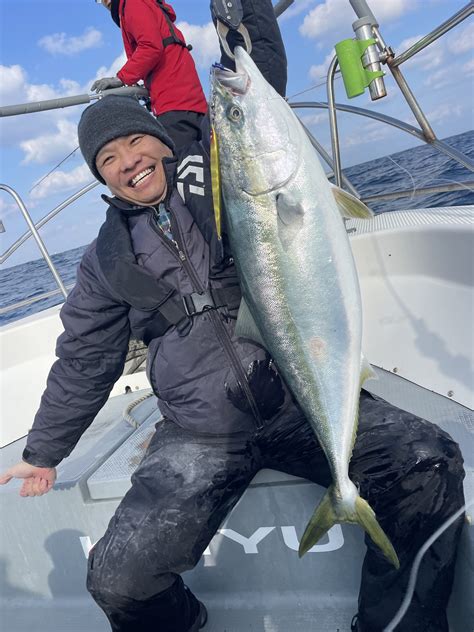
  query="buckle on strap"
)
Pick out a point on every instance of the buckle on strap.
point(196, 303)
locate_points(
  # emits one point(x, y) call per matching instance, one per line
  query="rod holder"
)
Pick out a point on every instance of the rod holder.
point(351, 54)
point(364, 30)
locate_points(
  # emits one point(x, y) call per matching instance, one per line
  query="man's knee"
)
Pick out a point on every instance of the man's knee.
point(399, 454)
point(113, 579)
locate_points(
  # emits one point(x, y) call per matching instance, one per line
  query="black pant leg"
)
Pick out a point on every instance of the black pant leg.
point(180, 494)
point(268, 50)
point(411, 472)
point(182, 127)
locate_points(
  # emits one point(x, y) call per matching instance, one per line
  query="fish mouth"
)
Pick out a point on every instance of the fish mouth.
point(227, 84)
point(247, 91)
point(234, 83)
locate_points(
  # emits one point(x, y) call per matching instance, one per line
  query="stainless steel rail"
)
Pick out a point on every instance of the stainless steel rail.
point(327, 158)
point(32, 300)
point(389, 120)
point(21, 240)
point(440, 188)
point(425, 41)
point(336, 154)
point(425, 134)
point(351, 109)
point(37, 237)
point(415, 107)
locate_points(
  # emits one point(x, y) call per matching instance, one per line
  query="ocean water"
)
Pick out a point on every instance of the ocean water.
point(411, 169)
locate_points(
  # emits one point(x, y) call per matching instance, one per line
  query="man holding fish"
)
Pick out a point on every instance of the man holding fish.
point(252, 318)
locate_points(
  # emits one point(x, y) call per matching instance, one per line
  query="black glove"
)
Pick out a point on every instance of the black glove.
point(106, 83)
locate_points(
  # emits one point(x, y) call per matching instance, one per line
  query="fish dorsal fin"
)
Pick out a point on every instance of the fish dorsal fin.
point(290, 218)
point(246, 326)
point(350, 206)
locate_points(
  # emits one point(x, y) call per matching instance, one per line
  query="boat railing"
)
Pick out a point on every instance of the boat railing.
point(365, 27)
point(423, 133)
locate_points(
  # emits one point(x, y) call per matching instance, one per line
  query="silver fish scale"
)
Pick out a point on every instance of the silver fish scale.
point(294, 261)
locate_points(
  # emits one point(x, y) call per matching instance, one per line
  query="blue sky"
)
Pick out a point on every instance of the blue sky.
point(54, 48)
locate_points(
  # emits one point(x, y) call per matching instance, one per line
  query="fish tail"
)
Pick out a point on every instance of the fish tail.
point(326, 516)
point(365, 516)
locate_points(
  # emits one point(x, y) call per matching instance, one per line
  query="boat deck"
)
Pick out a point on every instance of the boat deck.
point(250, 576)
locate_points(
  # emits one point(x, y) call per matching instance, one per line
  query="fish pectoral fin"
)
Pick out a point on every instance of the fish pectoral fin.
point(290, 219)
point(246, 326)
point(289, 210)
point(350, 206)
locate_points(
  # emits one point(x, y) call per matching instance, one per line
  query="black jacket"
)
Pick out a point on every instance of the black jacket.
point(205, 378)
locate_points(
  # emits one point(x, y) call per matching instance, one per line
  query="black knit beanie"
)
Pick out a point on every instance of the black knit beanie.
point(111, 117)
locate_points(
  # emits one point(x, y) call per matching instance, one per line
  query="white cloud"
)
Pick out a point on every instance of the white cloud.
point(21, 131)
point(7, 207)
point(45, 148)
point(443, 77)
point(320, 71)
point(468, 67)
point(430, 57)
point(368, 133)
point(444, 111)
point(12, 83)
point(204, 41)
point(313, 119)
point(60, 181)
point(462, 41)
point(109, 71)
point(61, 44)
point(337, 16)
point(296, 8)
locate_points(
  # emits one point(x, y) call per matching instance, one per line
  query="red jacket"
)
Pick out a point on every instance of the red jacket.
point(169, 72)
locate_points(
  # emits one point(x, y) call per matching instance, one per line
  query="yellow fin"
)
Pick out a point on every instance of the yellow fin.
point(365, 516)
point(216, 182)
point(366, 371)
point(321, 521)
point(325, 516)
point(350, 206)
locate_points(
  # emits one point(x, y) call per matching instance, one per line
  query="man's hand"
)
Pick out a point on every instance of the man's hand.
point(106, 83)
point(38, 480)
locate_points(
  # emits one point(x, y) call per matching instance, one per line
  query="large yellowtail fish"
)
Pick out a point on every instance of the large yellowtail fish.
point(301, 296)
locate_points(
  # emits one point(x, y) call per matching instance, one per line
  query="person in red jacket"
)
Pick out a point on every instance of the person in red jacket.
point(157, 54)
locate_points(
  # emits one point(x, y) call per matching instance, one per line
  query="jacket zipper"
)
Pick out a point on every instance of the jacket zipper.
point(226, 342)
point(221, 331)
point(175, 246)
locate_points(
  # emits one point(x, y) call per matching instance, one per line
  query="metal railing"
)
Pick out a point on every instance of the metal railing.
point(37, 237)
point(424, 133)
point(388, 56)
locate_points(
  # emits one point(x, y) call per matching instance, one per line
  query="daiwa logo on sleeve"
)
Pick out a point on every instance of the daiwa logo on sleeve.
point(190, 176)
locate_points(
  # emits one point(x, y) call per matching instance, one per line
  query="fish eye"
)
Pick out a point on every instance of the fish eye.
point(234, 113)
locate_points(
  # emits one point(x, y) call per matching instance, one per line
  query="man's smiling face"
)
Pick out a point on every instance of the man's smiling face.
point(132, 168)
